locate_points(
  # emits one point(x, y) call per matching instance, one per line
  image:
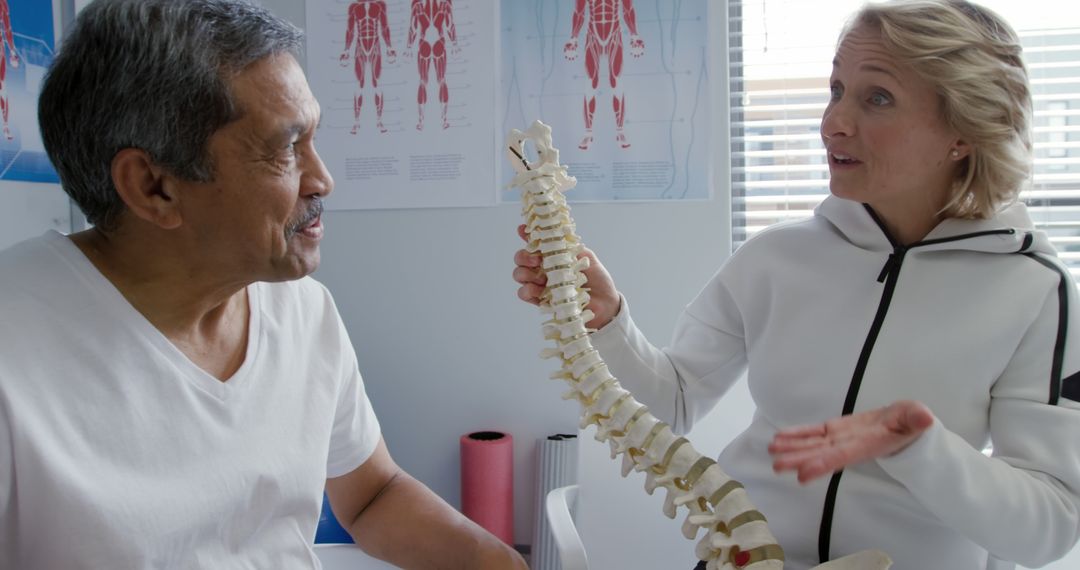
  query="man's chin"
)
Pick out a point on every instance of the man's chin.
point(295, 267)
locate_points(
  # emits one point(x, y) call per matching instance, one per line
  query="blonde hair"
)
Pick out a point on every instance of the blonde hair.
point(972, 57)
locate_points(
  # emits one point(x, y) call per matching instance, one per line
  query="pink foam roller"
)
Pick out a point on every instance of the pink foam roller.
point(487, 482)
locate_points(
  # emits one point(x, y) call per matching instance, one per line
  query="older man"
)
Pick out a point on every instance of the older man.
point(174, 391)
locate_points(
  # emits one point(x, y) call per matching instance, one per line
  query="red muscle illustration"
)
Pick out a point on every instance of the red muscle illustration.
point(367, 26)
point(9, 43)
point(603, 41)
point(431, 23)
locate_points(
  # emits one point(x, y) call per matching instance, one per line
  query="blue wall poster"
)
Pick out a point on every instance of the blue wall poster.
point(27, 47)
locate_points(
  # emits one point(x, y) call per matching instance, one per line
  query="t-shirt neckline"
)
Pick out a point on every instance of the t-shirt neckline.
point(104, 290)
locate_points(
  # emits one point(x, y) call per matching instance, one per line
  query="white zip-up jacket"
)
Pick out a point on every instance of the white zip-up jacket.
point(830, 316)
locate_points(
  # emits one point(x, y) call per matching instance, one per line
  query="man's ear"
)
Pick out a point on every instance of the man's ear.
point(145, 189)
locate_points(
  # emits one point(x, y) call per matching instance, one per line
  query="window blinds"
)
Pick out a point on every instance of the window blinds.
point(780, 54)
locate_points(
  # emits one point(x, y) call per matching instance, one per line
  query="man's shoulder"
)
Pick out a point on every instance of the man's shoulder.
point(304, 290)
point(39, 292)
point(26, 248)
point(29, 262)
point(302, 310)
point(305, 295)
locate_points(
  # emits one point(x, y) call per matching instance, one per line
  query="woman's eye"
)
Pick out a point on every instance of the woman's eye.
point(878, 98)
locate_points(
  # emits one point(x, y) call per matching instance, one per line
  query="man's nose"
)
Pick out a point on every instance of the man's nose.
point(316, 179)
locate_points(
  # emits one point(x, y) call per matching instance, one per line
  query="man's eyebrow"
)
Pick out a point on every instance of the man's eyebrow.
point(303, 126)
point(273, 139)
point(287, 132)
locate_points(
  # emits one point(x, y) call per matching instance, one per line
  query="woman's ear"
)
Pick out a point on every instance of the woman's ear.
point(960, 150)
point(144, 188)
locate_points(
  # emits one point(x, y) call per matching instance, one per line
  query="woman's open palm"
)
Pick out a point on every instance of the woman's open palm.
point(820, 449)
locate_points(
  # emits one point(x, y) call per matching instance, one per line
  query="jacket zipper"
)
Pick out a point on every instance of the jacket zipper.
point(889, 275)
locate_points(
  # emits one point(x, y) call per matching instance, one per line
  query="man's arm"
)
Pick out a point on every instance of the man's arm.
point(394, 517)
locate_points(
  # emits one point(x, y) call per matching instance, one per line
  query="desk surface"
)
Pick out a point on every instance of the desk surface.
point(342, 556)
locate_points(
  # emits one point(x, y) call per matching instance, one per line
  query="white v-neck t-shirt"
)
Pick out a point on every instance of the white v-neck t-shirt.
point(116, 451)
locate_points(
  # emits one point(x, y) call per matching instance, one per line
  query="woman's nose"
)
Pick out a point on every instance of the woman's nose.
point(837, 120)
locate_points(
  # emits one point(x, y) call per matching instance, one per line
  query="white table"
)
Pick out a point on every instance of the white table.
point(347, 556)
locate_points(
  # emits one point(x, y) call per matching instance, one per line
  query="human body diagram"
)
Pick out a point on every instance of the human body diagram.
point(603, 41)
point(367, 25)
point(8, 44)
point(431, 24)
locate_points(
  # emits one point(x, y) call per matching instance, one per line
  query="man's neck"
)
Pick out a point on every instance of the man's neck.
point(201, 313)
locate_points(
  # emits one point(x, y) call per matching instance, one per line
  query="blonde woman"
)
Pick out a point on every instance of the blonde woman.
point(914, 319)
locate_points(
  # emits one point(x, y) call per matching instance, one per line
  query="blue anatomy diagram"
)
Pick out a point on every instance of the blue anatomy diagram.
point(624, 84)
point(26, 50)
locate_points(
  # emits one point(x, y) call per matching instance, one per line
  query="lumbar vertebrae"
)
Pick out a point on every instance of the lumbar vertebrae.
point(736, 534)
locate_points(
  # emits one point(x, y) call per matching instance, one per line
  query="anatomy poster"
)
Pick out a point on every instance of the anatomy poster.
point(624, 85)
point(407, 89)
point(26, 49)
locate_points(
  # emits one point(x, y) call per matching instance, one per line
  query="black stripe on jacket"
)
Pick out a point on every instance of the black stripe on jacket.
point(1070, 387)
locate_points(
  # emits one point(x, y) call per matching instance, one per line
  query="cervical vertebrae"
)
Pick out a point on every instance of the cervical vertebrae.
point(736, 534)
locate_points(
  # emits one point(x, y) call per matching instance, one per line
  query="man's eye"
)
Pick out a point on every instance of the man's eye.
point(836, 92)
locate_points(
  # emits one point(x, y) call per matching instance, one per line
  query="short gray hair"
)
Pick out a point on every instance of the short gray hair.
point(973, 58)
point(152, 75)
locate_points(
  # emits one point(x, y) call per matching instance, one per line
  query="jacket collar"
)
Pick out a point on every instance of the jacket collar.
point(1010, 231)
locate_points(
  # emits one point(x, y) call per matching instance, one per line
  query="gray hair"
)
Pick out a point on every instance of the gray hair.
point(972, 57)
point(152, 75)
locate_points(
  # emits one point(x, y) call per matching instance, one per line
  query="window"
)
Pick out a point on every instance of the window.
point(780, 55)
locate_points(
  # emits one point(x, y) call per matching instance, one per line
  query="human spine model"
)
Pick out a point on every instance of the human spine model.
point(736, 534)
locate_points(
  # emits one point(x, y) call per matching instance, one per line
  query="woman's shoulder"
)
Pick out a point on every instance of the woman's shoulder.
point(782, 234)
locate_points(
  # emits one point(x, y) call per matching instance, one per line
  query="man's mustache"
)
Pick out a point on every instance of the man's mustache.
point(313, 211)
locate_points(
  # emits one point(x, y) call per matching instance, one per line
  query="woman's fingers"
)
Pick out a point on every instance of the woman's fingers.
point(525, 275)
point(788, 444)
point(526, 259)
point(530, 293)
point(817, 450)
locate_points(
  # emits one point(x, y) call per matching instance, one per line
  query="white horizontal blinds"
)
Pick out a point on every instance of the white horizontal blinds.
point(781, 53)
point(1053, 60)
